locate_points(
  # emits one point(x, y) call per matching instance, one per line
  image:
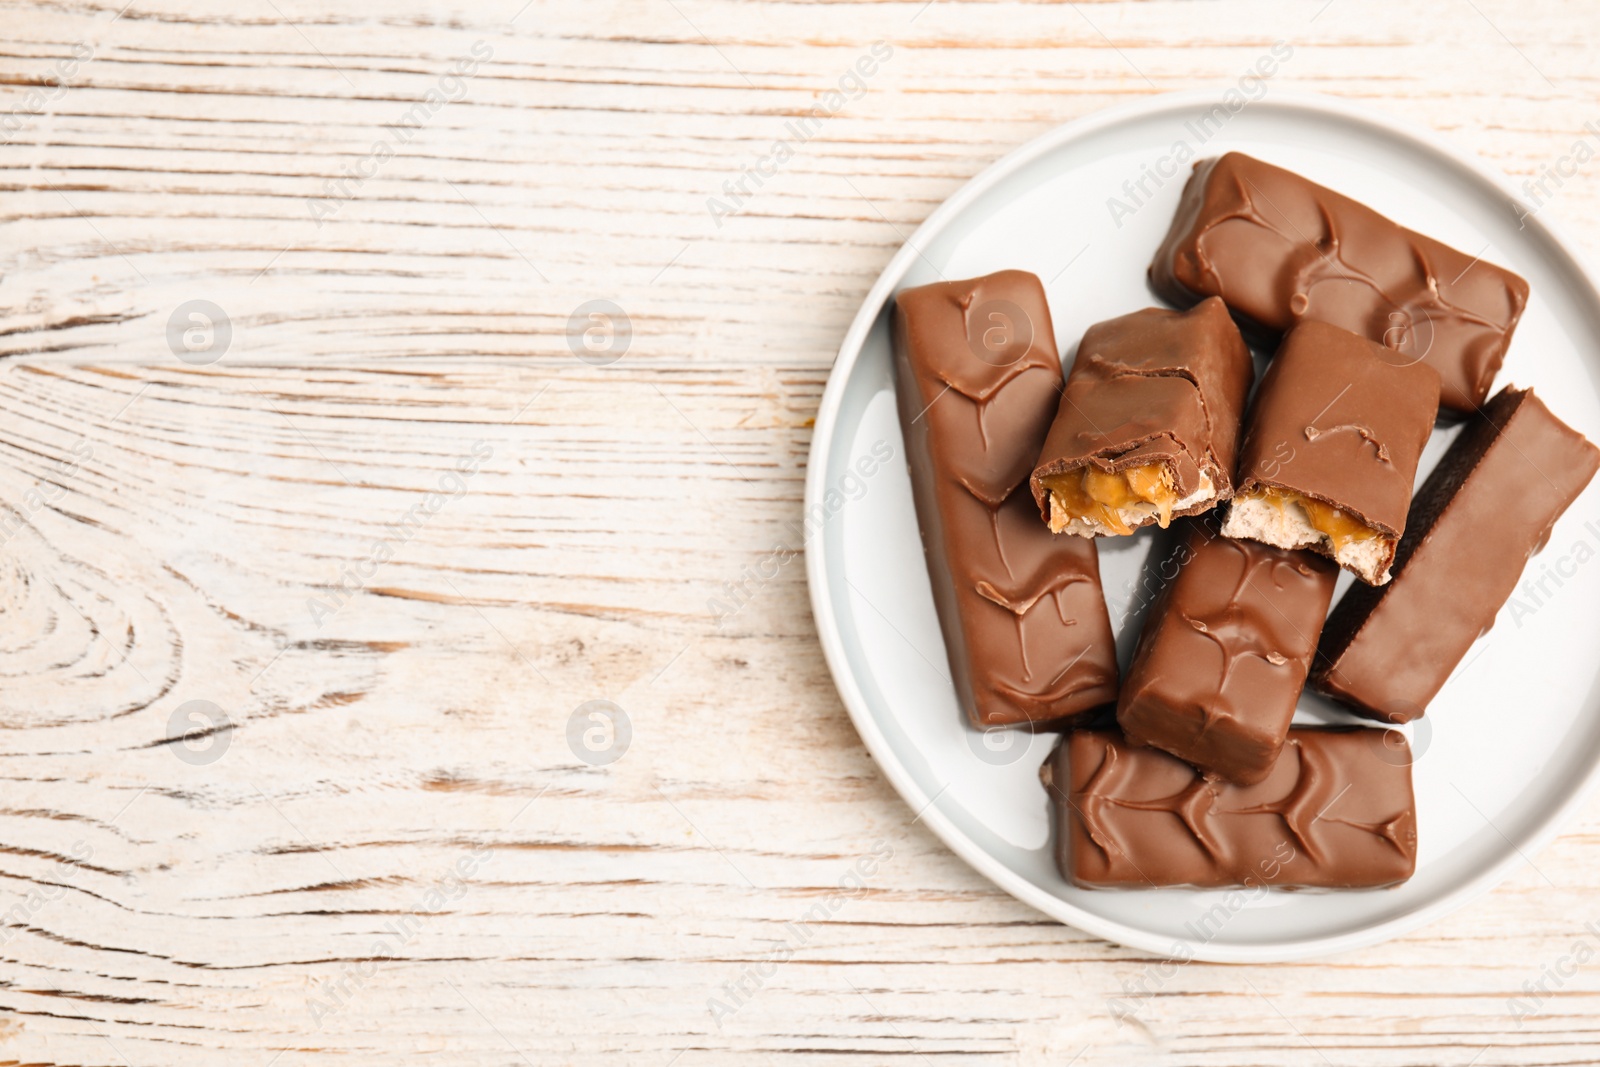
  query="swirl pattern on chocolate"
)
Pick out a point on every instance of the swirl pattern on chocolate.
point(1224, 653)
point(1336, 812)
point(1280, 250)
point(1023, 614)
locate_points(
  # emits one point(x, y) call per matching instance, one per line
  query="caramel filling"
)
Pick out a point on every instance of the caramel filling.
point(1099, 497)
point(1339, 527)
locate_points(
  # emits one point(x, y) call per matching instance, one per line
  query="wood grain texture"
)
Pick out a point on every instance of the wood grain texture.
point(399, 533)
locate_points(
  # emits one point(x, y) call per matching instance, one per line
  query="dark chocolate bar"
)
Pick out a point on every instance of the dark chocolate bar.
point(1336, 812)
point(1483, 512)
point(1224, 654)
point(1148, 426)
point(1335, 434)
point(1282, 250)
point(1023, 614)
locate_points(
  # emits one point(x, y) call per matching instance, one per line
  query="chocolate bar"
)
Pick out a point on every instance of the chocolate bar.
point(1148, 426)
point(1335, 434)
point(1483, 512)
point(1336, 812)
point(1224, 654)
point(1282, 250)
point(1023, 614)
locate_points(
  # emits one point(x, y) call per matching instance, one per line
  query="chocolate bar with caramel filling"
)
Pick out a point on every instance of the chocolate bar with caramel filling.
point(1334, 437)
point(1282, 250)
point(1224, 654)
point(1148, 427)
point(1023, 613)
point(1483, 512)
point(1336, 812)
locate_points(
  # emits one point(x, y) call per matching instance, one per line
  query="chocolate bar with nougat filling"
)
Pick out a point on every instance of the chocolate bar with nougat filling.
point(1148, 426)
point(1023, 614)
point(1282, 250)
point(1331, 449)
point(1482, 513)
point(1336, 812)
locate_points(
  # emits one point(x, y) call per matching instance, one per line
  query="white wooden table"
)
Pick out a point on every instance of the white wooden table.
point(372, 523)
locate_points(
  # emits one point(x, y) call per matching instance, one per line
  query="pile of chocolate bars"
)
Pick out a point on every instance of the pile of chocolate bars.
point(1186, 770)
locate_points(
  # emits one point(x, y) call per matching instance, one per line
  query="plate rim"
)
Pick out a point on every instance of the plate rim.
point(818, 570)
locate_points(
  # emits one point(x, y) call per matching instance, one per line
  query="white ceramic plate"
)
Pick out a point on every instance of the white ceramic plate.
point(1510, 747)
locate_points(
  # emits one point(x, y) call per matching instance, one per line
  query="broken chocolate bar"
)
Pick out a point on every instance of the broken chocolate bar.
point(1023, 614)
point(1282, 250)
point(1335, 434)
point(1224, 654)
point(1336, 812)
point(1483, 512)
point(1148, 426)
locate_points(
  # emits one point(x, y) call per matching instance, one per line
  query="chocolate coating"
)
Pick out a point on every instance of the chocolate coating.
point(1282, 250)
point(1224, 654)
point(1023, 613)
point(1337, 420)
point(1156, 386)
point(1483, 512)
point(1335, 812)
